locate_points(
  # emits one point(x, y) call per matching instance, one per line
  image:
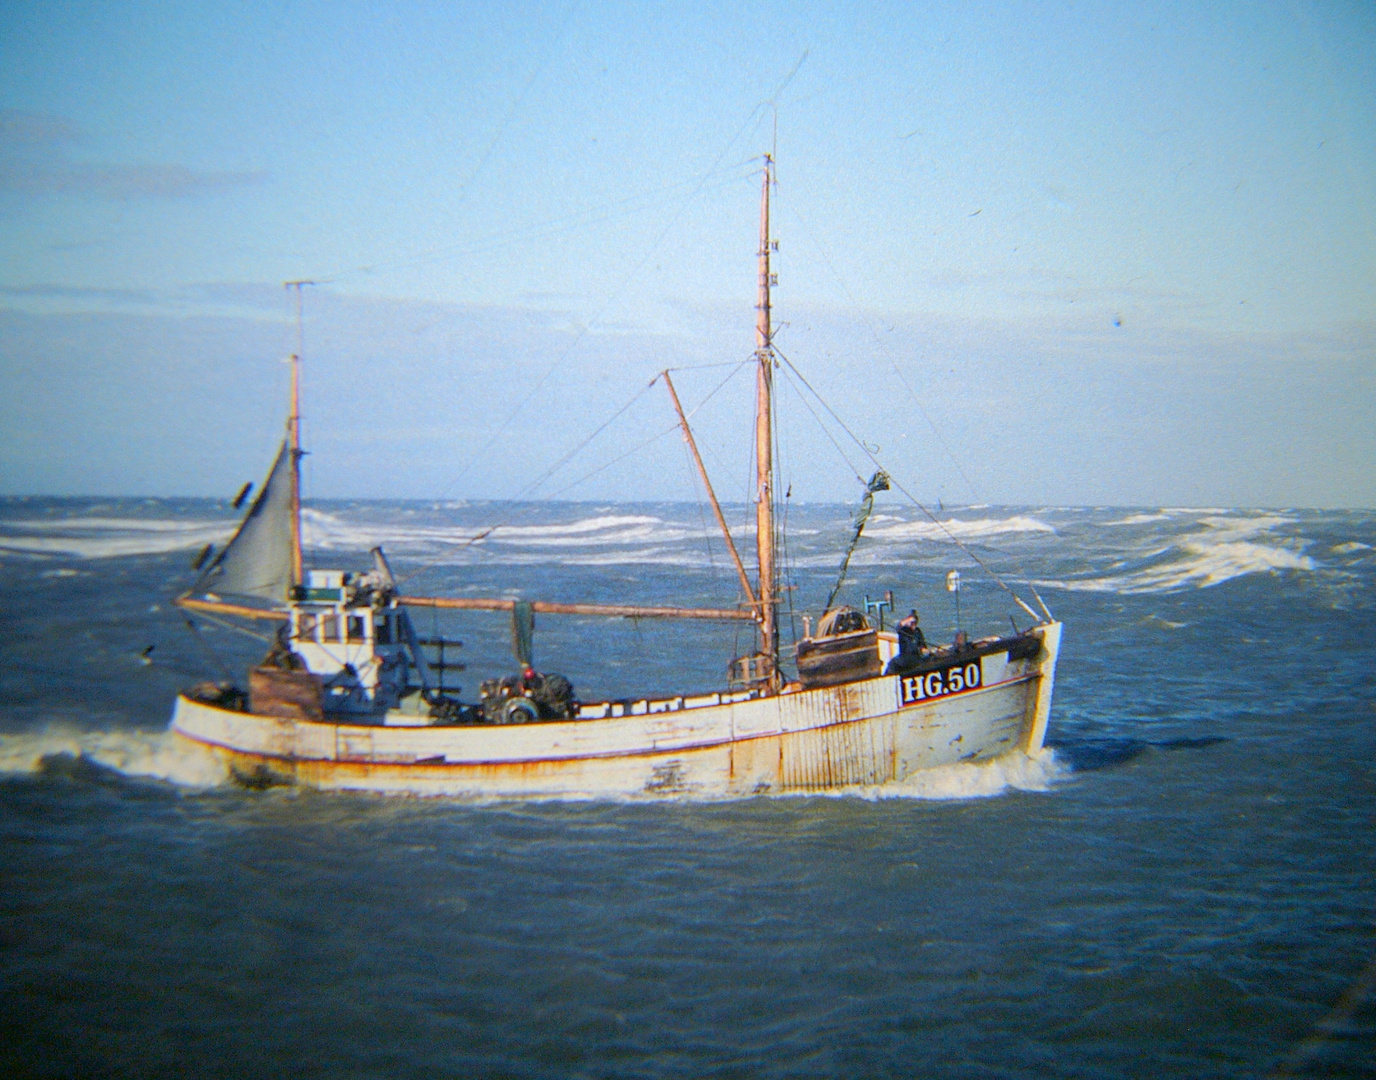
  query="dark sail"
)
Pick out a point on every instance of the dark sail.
point(257, 562)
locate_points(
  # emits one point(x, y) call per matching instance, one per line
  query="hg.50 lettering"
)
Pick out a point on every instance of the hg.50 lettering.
point(951, 680)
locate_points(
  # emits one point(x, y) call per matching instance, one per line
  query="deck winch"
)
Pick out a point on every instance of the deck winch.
point(527, 697)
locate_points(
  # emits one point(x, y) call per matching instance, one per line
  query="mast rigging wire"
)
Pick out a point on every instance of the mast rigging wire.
point(215, 657)
point(223, 625)
point(821, 426)
point(483, 534)
point(595, 215)
point(911, 498)
point(586, 328)
point(751, 119)
point(466, 185)
point(736, 367)
point(887, 355)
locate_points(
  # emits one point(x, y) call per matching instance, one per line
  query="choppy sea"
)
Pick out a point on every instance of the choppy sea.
point(1182, 885)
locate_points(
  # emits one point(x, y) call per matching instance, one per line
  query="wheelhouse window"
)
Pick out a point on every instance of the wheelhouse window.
point(382, 630)
point(329, 628)
point(305, 626)
point(357, 630)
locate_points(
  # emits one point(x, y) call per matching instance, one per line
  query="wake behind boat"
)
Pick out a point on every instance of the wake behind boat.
point(351, 696)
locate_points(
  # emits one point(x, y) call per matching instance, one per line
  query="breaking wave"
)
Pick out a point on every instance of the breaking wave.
point(108, 538)
point(1227, 548)
point(155, 755)
point(111, 537)
point(977, 529)
point(160, 755)
point(327, 532)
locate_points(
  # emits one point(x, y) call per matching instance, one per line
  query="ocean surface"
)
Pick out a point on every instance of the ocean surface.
point(1182, 885)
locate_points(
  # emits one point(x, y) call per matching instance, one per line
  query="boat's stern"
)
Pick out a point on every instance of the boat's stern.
point(254, 750)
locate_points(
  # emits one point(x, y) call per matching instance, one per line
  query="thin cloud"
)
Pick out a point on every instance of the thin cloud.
point(19, 128)
point(35, 159)
point(77, 292)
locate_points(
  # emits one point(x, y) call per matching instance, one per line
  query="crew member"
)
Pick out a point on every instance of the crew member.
point(910, 636)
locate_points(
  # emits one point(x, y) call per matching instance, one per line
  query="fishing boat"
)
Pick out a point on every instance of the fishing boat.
point(347, 698)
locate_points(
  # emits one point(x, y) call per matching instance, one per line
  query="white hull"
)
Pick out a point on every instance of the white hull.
point(868, 732)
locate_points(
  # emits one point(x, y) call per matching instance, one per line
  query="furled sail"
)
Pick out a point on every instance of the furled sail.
point(257, 562)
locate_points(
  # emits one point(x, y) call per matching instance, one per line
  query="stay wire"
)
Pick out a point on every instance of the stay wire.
point(616, 460)
point(700, 503)
point(790, 577)
point(656, 437)
point(595, 215)
point(911, 498)
point(530, 488)
point(237, 629)
point(489, 530)
point(821, 425)
point(751, 120)
point(466, 185)
point(483, 534)
point(215, 657)
point(950, 453)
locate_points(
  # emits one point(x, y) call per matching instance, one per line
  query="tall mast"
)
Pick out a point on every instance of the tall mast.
point(294, 439)
point(764, 437)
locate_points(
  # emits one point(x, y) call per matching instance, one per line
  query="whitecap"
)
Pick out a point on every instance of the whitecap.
point(587, 525)
point(597, 531)
point(1227, 548)
point(964, 530)
point(325, 531)
point(106, 538)
point(157, 755)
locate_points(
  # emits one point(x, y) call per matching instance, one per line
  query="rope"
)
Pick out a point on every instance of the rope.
point(201, 641)
point(485, 533)
point(911, 498)
point(231, 626)
point(825, 431)
point(888, 356)
point(466, 185)
point(656, 437)
point(531, 487)
point(525, 235)
point(751, 119)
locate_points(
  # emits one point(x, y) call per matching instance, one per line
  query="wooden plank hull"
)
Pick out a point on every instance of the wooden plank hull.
point(869, 732)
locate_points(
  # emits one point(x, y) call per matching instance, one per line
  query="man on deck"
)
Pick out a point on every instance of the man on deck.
point(911, 640)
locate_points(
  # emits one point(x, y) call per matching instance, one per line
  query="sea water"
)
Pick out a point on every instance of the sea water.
point(1182, 884)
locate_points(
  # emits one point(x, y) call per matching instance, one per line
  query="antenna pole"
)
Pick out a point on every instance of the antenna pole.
point(294, 439)
point(764, 439)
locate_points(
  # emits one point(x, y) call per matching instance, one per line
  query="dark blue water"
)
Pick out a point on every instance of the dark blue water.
point(1185, 885)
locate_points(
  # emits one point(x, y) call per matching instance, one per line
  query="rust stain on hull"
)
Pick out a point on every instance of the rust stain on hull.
point(857, 734)
point(856, 752)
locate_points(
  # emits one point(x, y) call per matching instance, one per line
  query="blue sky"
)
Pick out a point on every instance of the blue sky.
point(1076, 254)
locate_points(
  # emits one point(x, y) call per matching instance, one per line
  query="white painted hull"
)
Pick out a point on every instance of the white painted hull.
point(859, 733)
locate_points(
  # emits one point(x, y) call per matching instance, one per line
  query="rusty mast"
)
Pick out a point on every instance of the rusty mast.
point(764, 442)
